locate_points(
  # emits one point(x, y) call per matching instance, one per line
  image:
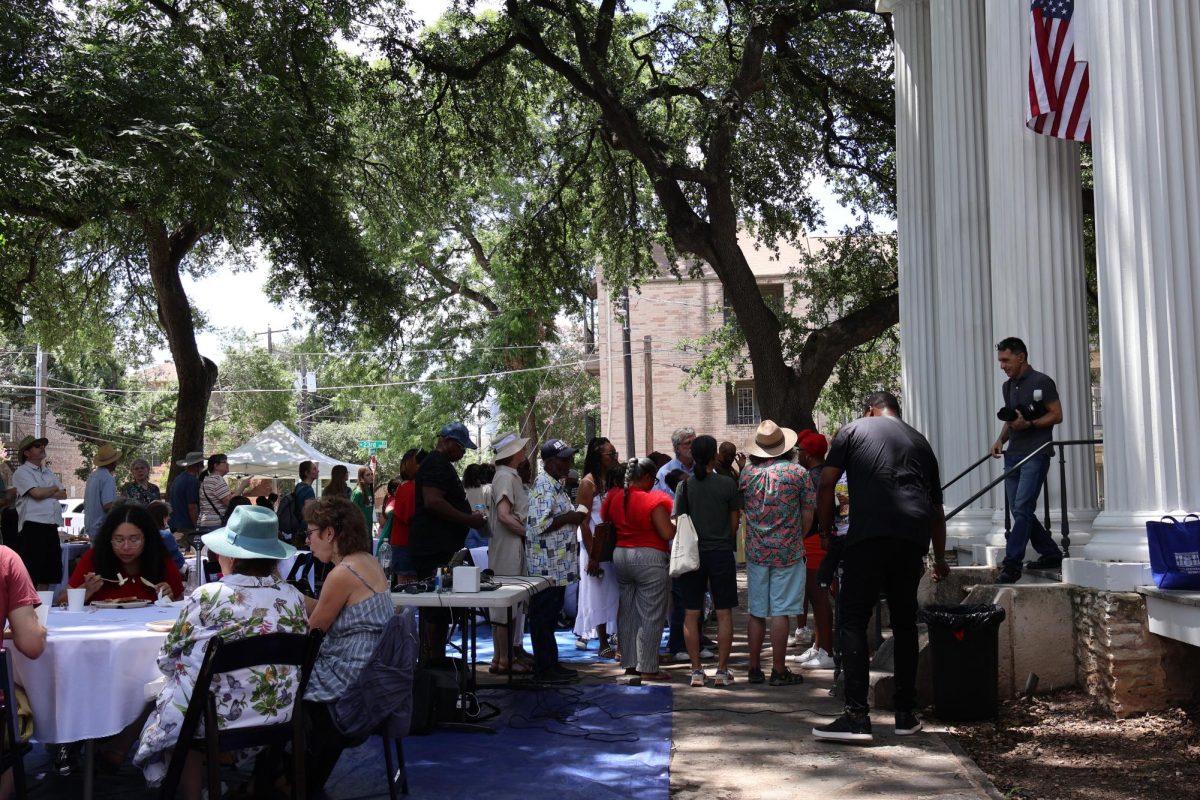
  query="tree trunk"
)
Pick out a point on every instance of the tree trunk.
point(196, 374)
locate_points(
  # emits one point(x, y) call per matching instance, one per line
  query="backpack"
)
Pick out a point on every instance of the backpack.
point(289, 513)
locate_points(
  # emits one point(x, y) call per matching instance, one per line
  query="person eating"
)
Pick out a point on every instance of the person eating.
point(128, 561)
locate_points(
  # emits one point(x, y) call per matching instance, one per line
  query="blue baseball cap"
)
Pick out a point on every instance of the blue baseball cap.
point(458, 432)
point(557, 448)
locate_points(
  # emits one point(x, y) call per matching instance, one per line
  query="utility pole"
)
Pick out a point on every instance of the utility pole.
point(627, 351)
point(39, 400)
point(648, 375)
point(270, 340)
point(306, 382)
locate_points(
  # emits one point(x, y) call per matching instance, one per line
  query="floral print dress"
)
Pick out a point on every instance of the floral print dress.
point(235, 607)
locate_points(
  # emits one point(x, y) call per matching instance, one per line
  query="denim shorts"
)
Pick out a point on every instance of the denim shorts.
point(776, 591)
point(402, 565)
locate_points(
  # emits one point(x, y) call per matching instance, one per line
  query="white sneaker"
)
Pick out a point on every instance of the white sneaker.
point(698, 677)
point(723, 678)
point(801, 637)
point(821, 660)
point(805, 656)
point(705, 653)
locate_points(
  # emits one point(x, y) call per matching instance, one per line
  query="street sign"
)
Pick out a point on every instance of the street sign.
point(377, 444)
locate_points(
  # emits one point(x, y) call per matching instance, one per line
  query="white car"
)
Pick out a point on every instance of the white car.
point(72, 511)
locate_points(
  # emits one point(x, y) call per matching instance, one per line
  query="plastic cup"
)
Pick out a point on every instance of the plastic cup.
point(43, 611)
point(75, 598)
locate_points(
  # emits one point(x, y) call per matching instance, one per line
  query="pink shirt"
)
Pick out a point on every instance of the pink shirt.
point(16, 589)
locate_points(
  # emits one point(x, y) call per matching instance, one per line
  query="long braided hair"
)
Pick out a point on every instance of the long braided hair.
point(636, 469)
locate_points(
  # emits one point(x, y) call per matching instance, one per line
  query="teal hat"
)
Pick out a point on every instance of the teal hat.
point(252, 532)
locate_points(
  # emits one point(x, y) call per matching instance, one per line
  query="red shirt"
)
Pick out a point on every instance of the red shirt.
point(404, 504)
point(635, 529)
point(132, 588)
point(16, 589)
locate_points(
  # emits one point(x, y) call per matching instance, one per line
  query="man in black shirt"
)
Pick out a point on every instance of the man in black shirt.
point(1032, 399)
point(441, 521)
point(897, 511)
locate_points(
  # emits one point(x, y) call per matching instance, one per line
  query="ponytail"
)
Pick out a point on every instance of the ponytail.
point(704, 450)
point(636, 469)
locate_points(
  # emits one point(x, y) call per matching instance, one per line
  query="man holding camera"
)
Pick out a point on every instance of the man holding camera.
point(1031, 410)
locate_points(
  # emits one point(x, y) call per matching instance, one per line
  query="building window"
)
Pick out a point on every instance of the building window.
point(741, 404)
point(772, 294)
point(6, 421)
point(1097, 408)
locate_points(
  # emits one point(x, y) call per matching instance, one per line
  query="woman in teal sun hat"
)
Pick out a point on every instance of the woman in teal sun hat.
point(251, 599)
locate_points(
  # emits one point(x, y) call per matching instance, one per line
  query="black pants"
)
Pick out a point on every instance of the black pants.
point(323, 743)
point(544, 608)
point(893, 567)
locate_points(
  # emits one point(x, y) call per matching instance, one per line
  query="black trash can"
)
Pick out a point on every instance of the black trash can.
point(966, 655)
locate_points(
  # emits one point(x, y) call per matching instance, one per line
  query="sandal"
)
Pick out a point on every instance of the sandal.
point(785, 678)
point(609, 652)
point(517, 668)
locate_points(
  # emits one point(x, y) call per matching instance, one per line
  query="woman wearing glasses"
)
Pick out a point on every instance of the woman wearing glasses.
point(128, 560)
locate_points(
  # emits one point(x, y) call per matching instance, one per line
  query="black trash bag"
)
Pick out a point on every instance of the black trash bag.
point(964, 641)
point(959, 617)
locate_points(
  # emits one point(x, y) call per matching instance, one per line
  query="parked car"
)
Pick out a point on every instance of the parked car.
point(72, 511)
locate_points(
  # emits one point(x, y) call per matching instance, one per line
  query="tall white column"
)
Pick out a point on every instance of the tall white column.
point(915, 206)
point(1038, 284)
point(964, 296)
point(1145, 100)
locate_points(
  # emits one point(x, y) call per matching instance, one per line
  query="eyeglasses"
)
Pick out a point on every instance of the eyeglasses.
point(312, 531)
point(133, 541)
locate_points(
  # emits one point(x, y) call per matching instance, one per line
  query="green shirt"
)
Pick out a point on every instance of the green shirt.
point(366, 503)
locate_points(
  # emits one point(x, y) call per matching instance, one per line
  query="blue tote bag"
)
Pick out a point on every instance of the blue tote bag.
point(1175, 552)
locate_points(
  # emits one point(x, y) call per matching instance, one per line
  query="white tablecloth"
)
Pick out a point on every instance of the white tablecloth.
point(89, 682)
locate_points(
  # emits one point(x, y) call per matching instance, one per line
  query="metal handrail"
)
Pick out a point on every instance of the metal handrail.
point(966, 472)
point(1062, 476)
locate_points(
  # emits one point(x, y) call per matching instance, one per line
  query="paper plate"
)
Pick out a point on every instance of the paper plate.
point(121, 603)
point(160, 625)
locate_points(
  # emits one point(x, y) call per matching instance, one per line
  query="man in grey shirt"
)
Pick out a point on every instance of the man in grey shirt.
point(101, 490)
point(1032, 399)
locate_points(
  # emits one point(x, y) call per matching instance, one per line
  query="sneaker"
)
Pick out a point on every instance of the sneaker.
point(805, 656)
point(846, 728)
point(581, 643)
point(552, 678)
point(800, 637)
point(756, 676)
point(683, 657)
point(64, 759)
point(1046, 562)
point(706, 654)
point(566, 672)
point(722, 678)
point(820, 660)
point(698, 677)
point(1008, 576)
point(907, 723)
point(785, 678)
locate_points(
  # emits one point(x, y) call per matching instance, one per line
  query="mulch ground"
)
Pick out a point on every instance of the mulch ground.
point(1061, 746)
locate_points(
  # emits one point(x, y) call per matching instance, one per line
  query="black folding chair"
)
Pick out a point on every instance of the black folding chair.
point(12, 750)
point(284, 649)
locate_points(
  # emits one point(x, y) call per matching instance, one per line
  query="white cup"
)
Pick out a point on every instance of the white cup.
point(43, 611)
point(75, 598)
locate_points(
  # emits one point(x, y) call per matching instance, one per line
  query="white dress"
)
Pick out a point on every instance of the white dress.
point(598, 597)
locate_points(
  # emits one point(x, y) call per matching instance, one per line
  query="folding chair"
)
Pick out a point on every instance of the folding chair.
point(380, 702)
point(222, 656)
point(12, 750)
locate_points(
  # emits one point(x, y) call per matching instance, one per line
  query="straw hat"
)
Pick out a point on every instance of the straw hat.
point(252, 532)
point(508, 445)
point(105, 455)
point(770, 440)
point(28, 442)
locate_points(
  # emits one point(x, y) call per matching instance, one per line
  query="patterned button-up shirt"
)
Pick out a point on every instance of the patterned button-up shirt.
point(775, 495)
point(553, 554)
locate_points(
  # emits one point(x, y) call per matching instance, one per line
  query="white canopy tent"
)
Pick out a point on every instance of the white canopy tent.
point(278, 453)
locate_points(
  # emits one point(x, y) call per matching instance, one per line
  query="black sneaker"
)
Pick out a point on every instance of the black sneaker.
point(552, 678)
point(755, 676)
point(1046, 562)
point(1008, 576)
point(907, 723)
point(846, 728)
point(566, 672)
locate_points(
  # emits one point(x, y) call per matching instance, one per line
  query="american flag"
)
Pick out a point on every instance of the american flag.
point(1058, 84)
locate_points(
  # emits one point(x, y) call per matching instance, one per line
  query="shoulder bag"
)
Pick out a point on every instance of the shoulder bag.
point(685, 547)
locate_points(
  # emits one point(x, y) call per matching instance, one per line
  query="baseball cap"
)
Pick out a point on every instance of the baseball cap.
point(813, 443)
point(458, 432)
point(557, 448)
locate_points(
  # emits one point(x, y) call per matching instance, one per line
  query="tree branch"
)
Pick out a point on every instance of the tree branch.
point(459, 288)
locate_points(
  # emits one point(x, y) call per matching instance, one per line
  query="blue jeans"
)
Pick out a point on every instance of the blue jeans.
point(1022, 488)
point(543, 619)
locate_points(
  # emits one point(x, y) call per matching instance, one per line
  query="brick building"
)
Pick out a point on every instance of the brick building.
point(673, 312)
point(62, 451)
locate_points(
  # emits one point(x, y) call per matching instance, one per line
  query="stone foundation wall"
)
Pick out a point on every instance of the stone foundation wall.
point(1120, 663)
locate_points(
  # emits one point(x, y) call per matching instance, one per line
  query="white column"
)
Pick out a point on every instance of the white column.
point(964, 296)
point(1145, 99)
point(1038, 284)
point(915, 206)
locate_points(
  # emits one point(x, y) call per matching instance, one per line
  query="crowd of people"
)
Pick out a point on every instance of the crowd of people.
point(610, 532)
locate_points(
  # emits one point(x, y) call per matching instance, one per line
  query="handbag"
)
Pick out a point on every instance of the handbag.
point(604, 542)
point(685, 547)
point(1175, 552)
